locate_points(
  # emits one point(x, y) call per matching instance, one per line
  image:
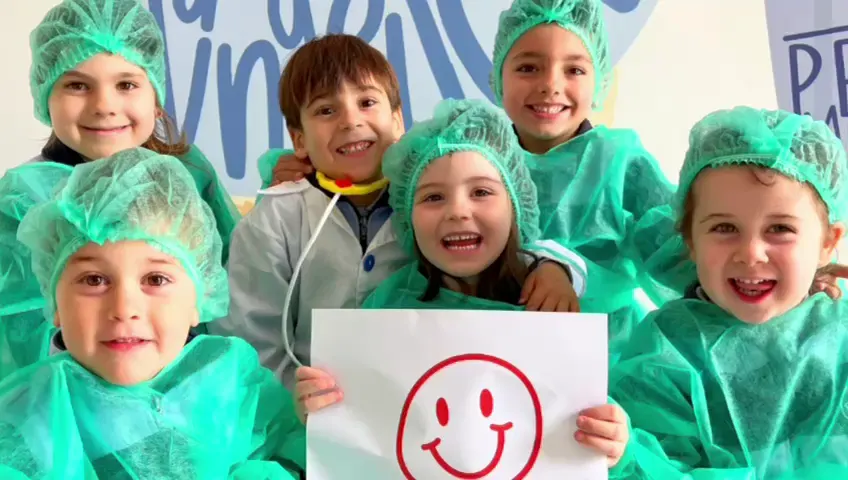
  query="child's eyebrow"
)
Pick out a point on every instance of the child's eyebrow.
point(574, 57)
point(328, 96)
point(782, 216)
point(715, 216)
point(528, 56)
point(120, 75)
point(427, 185)
point(161, 261)
point(82, 259)
point(477, 178)
point(370, 88)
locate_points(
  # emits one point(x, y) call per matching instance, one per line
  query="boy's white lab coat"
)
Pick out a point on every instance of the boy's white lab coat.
point(266, 246)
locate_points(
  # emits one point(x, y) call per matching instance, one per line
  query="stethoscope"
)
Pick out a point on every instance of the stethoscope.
point(338, 188)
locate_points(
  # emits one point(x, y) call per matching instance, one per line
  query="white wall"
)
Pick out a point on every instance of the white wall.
point(21, 135)
point(693, 56)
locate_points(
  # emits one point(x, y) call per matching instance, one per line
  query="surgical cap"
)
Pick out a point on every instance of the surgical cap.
point(20, 189)
point(135, 195)
point(794, 145)
point(460, 126)
point(584, 18)
point(76, 30)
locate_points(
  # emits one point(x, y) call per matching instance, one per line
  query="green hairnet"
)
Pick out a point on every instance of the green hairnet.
point(795, 145)
point(76, 30)
point(20, 189)
point(584, 18)
point(135, 195)
point(460, 126)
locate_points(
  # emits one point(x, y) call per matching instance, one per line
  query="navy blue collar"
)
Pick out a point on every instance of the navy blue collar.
point(61, 153)
point(584, 127)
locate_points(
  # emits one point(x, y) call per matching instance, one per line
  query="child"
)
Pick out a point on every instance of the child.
point(464, 204)
point(464, 210)
point(746, 377)
point(98, 80)
point(128, 261)
point(598, 187)
point(341, 102)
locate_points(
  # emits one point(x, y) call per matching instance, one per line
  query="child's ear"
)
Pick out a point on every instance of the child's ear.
point(298, 142)
point(833, 237)
point(398, 127)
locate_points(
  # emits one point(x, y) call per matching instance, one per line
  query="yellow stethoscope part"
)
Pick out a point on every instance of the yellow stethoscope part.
point(347, 187)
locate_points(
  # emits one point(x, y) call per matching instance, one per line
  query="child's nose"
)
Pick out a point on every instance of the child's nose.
point(459, 209)
point(551, 83)
point(351, 118)
point(126, 303)
point(751, 251)
point(103, 102)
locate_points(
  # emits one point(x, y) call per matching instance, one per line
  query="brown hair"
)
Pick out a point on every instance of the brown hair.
point(763, 175)
point(320, 67)
point(501, 281)
point(165, 140)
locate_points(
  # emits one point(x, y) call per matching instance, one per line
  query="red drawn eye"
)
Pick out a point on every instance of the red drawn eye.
point(486, 402)
point(442, 411)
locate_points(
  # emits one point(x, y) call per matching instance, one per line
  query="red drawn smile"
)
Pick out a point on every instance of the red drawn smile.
point(487, 406)
point(500, 429)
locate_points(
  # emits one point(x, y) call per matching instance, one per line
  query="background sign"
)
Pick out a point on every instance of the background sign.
point(225, 60)
point(809, 50)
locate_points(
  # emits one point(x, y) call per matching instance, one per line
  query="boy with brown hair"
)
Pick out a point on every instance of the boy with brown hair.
point(341, 101)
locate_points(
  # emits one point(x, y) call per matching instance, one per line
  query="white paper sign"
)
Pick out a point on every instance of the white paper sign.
point(446, 394)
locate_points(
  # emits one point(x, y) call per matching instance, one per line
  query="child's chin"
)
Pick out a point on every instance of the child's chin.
point(365, 178)
point(757, 316)
point(125, 379)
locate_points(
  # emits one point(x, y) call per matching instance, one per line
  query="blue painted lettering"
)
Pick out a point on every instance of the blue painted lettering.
point(202, 9)
point(396, 54)
point(796, 85)
point(338, 15)
point(303, 28)
point(232, 99)
point(623, 6)
point(839, 52)
point(832, 119)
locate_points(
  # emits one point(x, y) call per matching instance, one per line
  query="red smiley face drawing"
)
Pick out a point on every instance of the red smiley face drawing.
point(440, 433)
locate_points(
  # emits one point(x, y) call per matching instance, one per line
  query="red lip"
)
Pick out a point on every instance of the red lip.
point(125, 346)
point(763, 291)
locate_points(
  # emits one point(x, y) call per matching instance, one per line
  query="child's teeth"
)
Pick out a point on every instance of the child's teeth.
point(459, 238)
point(356, 147)
point(548, 108)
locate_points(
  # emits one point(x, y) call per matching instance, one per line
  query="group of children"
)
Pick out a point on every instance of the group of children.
point(205, 371)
